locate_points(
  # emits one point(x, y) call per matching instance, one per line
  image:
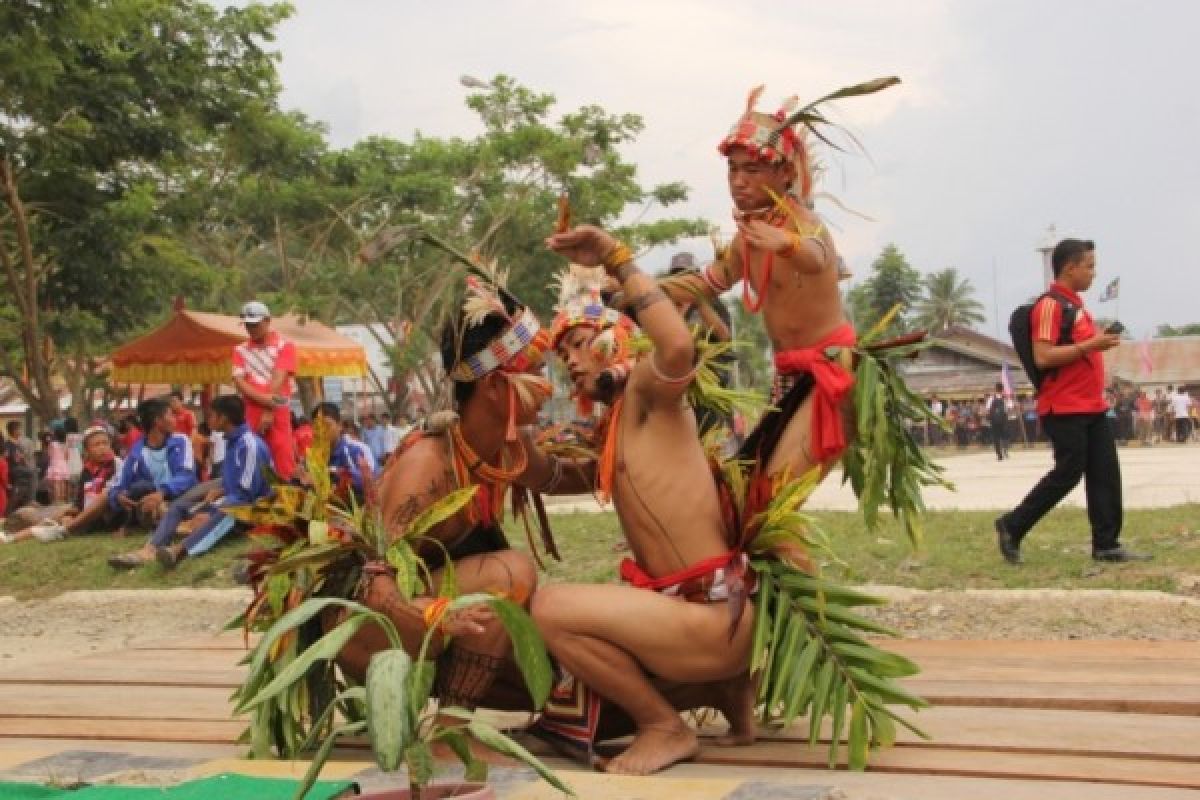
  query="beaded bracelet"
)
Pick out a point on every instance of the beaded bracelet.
point(617, 257)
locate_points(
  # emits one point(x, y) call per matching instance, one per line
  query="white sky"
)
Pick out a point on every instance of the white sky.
point(1013, 114)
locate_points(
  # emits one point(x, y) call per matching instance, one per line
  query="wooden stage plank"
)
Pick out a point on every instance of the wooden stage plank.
point(1074, 649)
point(977, 764)
point(128, 730)
point(128, 702)
point(1037, 731)
point(1129, 697)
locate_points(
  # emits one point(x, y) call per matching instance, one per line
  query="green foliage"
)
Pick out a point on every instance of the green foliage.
point(1192, 329)
point(885, 464)
point(753, 359)
point(104, 104)
point(948, 301)
point(892, 282)
point(811, 656)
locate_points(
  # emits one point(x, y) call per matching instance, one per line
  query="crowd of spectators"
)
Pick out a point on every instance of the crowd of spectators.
point(161, 470)
point(1168, 414)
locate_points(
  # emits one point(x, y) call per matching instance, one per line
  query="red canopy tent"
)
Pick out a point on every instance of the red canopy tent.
point(197, 347)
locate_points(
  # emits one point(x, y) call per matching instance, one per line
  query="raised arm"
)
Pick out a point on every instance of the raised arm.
point(664, 375)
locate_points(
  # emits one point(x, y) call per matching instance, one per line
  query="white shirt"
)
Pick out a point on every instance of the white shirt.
point(218, 446)
point(1180, 403)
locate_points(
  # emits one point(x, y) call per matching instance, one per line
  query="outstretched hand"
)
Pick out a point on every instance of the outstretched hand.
point(584, 244)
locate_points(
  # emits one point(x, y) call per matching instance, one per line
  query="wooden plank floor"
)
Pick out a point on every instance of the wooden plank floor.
point(1121, 713)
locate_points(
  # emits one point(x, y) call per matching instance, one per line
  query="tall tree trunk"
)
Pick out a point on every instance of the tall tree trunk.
point(33, 380)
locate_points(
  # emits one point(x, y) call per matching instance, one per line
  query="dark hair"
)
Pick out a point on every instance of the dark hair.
point(96, 432)
point(151, 411)
point(999, 386)
point(1068, 251)
point(14, 427)
point(71, 425)
point(231, 407)
point(460, 341)
point(178, 395)
point(328, 411)
point(60, 434)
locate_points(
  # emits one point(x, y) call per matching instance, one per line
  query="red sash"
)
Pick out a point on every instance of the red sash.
point(832, 384)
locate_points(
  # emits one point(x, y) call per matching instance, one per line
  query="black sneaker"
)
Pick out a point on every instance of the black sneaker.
point(1119, 555)
point(1010, 548)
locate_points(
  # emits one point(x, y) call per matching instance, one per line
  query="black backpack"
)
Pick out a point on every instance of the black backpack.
point(1020, 328)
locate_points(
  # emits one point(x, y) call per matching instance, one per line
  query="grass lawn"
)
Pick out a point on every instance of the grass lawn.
point(959, 552)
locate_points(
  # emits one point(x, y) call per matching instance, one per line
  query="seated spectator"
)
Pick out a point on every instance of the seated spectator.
point(58, 472)
point(347, 456)
point(375, 437)
point(185, 420)
point(242, 481)
point(90, 511)
point(20, 456)
point(302, 433)
point(160, 466)
point(128, 432)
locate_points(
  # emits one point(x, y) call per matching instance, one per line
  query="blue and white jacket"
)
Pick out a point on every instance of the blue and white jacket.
point(181, 468)
point(242, 477)
point(346, 454)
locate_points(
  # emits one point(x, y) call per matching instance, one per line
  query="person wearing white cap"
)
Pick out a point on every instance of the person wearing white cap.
point(263, 367)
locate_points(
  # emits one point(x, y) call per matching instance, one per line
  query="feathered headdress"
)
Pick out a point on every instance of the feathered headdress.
point(581, 303)
point(520, 347)
point(775, 138)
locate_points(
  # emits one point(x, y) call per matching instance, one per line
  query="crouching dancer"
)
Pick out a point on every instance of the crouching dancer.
point(694, 627)
point(494, 358)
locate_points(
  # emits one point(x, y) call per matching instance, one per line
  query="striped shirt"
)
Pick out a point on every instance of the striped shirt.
point(256, 363)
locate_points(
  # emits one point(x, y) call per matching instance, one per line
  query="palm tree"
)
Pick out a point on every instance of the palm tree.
point(948, 301)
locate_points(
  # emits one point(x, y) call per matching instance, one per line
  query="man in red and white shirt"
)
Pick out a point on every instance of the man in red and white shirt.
point(263, 367)
point(1073, 411)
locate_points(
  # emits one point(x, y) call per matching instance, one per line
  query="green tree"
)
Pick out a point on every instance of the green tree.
point(754, 348)
point(948, 301)
point(1192, 329)
point(332, 236)
point(102, 101)
point(892, 282)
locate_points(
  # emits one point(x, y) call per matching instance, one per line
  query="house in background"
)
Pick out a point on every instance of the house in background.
point(1157, 363)
point(962, 364)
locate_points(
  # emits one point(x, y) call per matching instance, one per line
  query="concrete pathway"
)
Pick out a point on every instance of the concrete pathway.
point(1153, 477)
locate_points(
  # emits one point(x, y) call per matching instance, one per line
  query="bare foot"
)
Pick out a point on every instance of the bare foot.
point(735, 700)
point(655, 749)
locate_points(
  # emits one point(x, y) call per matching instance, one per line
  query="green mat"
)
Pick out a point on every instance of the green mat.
point(219, 787)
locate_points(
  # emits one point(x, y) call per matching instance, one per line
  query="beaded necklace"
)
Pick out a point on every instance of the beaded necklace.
point(493, 481)
point(753, 296)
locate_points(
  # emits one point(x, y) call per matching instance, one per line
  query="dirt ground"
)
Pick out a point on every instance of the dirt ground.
point(78, 623)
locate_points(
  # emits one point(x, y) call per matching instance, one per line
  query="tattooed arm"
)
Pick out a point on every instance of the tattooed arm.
point(419, 478)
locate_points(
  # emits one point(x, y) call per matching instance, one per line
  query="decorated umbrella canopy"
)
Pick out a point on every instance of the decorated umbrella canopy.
point(197, 347)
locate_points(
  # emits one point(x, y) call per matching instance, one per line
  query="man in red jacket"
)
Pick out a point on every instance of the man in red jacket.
point(263, 367)
point(1074, 413)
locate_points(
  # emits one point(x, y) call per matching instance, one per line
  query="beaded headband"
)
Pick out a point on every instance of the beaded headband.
point(520, 348)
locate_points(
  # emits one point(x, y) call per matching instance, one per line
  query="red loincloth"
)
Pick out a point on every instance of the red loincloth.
point(832, 383)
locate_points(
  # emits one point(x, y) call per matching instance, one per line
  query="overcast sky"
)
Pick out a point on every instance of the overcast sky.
point(1013, 115)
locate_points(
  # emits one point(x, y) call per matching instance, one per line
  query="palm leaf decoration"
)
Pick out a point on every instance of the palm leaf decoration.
point(317, 539)
point(814, 120)
point(809, 654)
point(884, 463)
